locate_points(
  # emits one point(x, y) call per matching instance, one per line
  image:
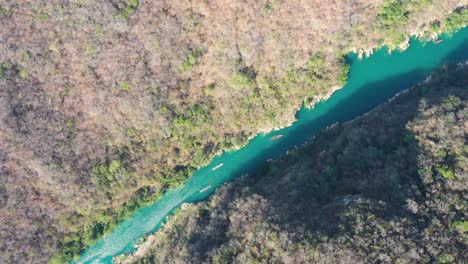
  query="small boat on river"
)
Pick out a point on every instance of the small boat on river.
point(276, 137)
point(217, 166)
point(438, 41)
point(205, 189)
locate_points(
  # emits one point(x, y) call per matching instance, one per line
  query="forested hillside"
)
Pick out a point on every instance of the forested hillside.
point(104, 105)
point(388, 187)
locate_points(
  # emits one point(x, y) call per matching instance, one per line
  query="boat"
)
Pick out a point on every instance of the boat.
point(276, 137)
point(205, 189)
point(217, 166)
point(438, 41)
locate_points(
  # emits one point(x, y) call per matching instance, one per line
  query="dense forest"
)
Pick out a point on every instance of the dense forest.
point(105, 105)
point(388, 187)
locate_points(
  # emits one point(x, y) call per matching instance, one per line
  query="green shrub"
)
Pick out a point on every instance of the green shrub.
point(435, 26)
point(446, 172)
point(5, 69)
point(191, 60)
point(241, 80)
point(98, 32)
point(308, 101)
point(234, 141)
point(445, 259)
point(460, 225)
point(457, 20)
point(70, 249)
point(91, 51)
point(106, 173)
point(393, 13)
point(293, 76)
point(42, 17)
point(267, 9)
point(452, 102)
point(441, 154)
point(316, 64)
point(195, 114)
point(130, 7)
point(114, 166)
point(344, 74)
point(209, 90)
point(125, 87)
point(23, 74)
point(4, 11)
point(174, 179)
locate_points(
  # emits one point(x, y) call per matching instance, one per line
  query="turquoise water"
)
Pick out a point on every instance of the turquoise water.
point(372, 81)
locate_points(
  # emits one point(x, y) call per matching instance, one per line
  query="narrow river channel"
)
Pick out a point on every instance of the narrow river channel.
point(372, 81)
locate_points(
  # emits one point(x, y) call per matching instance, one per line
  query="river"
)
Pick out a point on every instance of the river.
point(372, 81)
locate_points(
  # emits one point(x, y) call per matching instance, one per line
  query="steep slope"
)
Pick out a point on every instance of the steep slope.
point(388, 187)
point(104, 105)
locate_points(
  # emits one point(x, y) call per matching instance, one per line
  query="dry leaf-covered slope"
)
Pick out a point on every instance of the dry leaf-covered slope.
point(106, 104)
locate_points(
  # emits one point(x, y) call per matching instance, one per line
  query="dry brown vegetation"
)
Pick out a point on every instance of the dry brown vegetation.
point(106, 104)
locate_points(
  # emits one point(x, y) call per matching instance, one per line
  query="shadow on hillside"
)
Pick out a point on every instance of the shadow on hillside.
point(365, 161)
